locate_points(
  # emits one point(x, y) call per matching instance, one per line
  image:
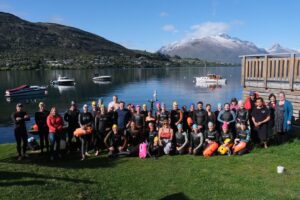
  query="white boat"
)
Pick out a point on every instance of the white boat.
point(63, 80)
point(97, 77)
point(211, 78)
point(26, 90)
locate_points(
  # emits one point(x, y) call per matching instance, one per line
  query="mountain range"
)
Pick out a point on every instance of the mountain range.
point(220, 48)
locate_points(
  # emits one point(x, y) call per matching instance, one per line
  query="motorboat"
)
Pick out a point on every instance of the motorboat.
point(105, 78)
point(63, 80)
point(26, 90)
point(211, 78)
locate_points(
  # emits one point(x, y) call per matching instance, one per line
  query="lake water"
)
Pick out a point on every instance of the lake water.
point(131, 85)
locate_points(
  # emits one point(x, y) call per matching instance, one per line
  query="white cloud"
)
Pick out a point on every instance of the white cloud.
point(57, 19)
point(169, 28)
point(206, 29)
point(164, 14)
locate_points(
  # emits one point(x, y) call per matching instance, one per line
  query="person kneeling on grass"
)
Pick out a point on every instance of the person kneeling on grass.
point(196, 140)
point(165, 136)
point(152, 140)
point(115, 141)
point(134, 138)
point(181, 140)
point(211, 140)
point(241, 141)
point(225, 140)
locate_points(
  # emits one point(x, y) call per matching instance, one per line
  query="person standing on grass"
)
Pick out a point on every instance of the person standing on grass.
point(200, 117)
point(55, 124)
point(41, 122)
point(210, 115)
point(260, 118)
point(218, 124)
point(71, 117)
point(86, 121)
point(250, 105)
point(283, 117)
point(19, 117)
point(176, 116)
point(271, 106)
point(162, 116)
point(242, 114)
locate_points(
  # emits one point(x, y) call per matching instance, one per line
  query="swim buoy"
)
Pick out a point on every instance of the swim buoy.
point(80, 131)
point(35, 127)
point(189, 120)
point(240, 146)
point(210, 149)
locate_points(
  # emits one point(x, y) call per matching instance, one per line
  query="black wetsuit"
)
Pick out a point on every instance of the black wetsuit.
point(103, 122)
point(242, 115)
point(85, 119)
point(224, 136)
point(115, 140)
point(212, 135)
point(196, 139)
point(72, 118)
point(163, 116)
point(174, 116)
point(20, 130)
point(200, 118)
point(139, 120)
point(153, 150)
point(41, 121)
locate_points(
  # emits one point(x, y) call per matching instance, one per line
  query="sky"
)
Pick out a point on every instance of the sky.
point(150, 24)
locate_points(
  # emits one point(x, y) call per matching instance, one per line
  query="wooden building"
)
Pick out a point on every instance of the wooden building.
point(272, 73)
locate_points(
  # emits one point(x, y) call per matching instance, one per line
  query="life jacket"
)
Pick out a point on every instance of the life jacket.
point(143, 150)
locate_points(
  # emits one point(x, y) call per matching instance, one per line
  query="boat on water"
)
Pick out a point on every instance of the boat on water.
point(105, 78)
point(211, 78)
point(26, 90)
point(63, 80)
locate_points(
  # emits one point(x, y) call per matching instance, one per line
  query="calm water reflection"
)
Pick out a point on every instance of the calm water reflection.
point(131, 85)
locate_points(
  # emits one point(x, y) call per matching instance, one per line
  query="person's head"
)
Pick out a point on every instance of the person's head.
point(252, 95)
point(192, 107)
point(41, 106)
point(158, 106)
point(122, 105)
point(195, 128)
point(241, 104)
point(144, 107)
point(100, 102)
point(115, 98)
point(200, 105)
point(219, 106)
point(53, 111)
point(208, 107)
point(281, 96)
point(225, 128)
point(272, 98)
point(138, 108)
point(183, 108)
point(115, 128)
point(149, 114)
point(94, 105)
point(19, 107)
point(243, 126)
point(72, 105)
point(151, 126)
point(259, 102)
point(102, 109)
point(211, 126)
point(163, 106)
point(226, 107)
point(166, 123)
point(175, 105)
point(234, 101)
point(85, 108)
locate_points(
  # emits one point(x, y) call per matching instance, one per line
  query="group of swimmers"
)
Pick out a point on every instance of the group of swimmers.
point(121, 130)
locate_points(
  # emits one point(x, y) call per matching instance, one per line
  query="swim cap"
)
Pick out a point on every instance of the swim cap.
point(179, 126)
point(163, 105)
point(144, 105)
point(85, 106)
point(137, 106)
point(210, 124)
point(219, 105)
point(225, 126)
point(157, 104)
point(251, 93)
point(175, 103)
point(41, 103)
point(194, 126)
point(192, 104)
point(94, 103)
point(115, 126)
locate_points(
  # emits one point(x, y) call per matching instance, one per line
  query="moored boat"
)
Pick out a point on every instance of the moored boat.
point(105, 78)
point(211, 78)
point(63, 80)
point(25, 90)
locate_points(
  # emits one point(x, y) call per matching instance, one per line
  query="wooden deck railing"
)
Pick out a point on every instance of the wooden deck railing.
point(280, 71)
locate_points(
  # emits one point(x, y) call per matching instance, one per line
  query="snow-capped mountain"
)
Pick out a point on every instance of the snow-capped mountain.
point(277, 48)
point(219, 48)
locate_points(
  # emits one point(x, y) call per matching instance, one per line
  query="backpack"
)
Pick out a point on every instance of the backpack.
point(143, 150)
point(32, 144)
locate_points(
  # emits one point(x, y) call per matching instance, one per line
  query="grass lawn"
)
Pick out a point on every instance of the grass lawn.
point(251, 176)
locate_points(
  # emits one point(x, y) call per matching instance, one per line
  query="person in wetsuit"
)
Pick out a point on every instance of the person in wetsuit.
point(19, 117)
point(71, 117)
point(41, 121)
point(196, 140)
point(115, 141)
point(228, 116)
point(152, 140)
point(181, 138)
point(162, 116)
point(200, 117)
point(176, 116)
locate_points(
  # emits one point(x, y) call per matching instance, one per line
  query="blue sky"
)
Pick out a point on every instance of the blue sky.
point(148, 25)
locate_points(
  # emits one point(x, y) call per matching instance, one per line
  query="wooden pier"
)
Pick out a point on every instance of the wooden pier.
point(272, 73)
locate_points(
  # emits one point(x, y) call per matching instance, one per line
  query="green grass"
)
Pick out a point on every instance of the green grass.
point(252, 176)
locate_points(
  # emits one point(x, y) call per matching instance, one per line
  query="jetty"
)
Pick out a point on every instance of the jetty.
point(272, 73)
